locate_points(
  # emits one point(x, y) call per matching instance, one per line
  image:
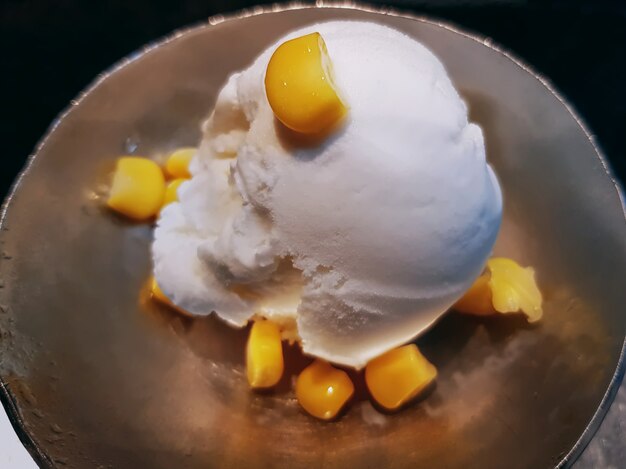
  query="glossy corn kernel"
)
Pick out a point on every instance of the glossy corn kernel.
point(264, 355)
point(171, 191)
point(477, 300)
point(322, 390)
point(137, 189)
point(505, 287)
point(177, 164)
point(514, 288)
point(398, 376)
point(299, 86)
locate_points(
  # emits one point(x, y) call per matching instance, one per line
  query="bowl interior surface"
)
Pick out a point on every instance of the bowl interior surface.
point(103, 379)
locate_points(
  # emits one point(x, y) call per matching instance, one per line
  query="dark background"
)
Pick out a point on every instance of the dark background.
point(51, 49)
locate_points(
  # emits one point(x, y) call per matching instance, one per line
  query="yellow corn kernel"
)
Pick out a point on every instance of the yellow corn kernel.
point(171, 191)
point(177, 164)
point(477, 300)
point(264, 355)
point(506, 287)
point(137, 189)
point(322, 390)
point(398, 376)
point(514, 288)
point(299, 86)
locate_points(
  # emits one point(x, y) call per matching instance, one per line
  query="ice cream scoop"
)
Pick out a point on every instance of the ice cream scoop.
point(356, 243)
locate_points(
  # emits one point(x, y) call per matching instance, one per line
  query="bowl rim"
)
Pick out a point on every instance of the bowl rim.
point(8, 399)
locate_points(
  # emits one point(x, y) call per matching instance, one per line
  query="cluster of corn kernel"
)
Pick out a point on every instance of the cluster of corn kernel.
point(322, 390)
point(505, 287)
point(141, 188)
point(402, 374)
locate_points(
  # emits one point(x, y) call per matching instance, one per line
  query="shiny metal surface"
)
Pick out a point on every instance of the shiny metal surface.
point(100, 379)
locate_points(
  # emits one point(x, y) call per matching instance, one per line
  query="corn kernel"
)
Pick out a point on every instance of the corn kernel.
point(398, 376)
point(477, 300)
point(323, 390)
point(171, 191)
point(514, 288)
point(264, 355)
point(177, 164)
point(299, 86)
point(137, 189)
point(506, 287)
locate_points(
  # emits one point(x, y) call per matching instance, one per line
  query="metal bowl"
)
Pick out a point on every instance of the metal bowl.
point(95, 377)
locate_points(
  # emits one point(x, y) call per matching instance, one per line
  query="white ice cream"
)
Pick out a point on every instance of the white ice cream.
point(386, 223)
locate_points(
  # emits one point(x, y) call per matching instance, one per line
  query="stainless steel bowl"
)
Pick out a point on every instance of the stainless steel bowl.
point(95, 378)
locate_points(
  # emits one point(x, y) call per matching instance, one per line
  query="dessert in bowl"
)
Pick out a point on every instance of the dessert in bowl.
point(335, 206)
point(194, 380)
